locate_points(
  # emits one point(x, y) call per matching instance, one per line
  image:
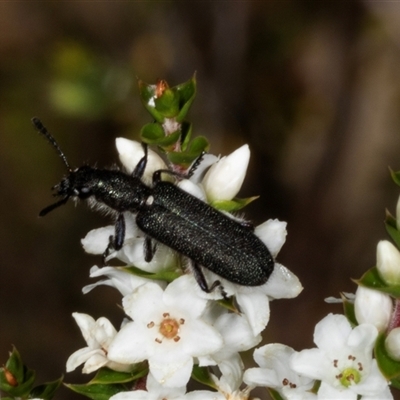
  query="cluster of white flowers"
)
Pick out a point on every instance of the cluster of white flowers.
point(174, 326)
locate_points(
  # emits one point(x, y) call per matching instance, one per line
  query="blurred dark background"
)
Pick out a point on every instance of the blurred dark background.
point(313, 88)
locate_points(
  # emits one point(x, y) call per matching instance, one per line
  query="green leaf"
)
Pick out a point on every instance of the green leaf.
point(391, 228)
point(395, 176)
point(15, 365)
point(186, 133)
point(22, 389)
point(154, 134)
point(147, 94)
point(232, 205)
point(274, 394)
point(107, 376)
point(197, 146)
point(168, 103)
point(16, 371)
point(348, 308)
point(96, 392)
point(371, 279)
point(389, 367)
point(47, 390)
point(202, 375)
point(395, 383)
point(229, 304)
point(182, 158)
point(187, 93)
point(167, 275)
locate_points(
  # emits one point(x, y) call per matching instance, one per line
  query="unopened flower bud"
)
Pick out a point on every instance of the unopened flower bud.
point(392, 343)
point(224, 179)
point(388, 262)
point(131, 152)
point(373, 307)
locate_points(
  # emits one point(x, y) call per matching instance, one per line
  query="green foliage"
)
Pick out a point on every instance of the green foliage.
point(390, 368)
point(348, 309)
point(167, 275)
point(17, 380)
point(371, 279)
point(391, 228)
point(170, 132)
point(232, 205)
point(97, 391)
point(202, 375)
point(163, 102)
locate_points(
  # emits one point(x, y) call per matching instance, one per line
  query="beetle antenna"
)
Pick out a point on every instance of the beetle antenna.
point(42, 129)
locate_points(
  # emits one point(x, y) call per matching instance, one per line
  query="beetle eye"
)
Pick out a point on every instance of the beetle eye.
point(85, 190)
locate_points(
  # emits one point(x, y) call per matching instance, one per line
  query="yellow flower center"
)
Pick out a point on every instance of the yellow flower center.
point(349, 376)
point(168, 328)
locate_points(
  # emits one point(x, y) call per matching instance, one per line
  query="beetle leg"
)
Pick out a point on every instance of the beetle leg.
point(116, 241)
point(141, 165)
point(199, 276)
point(195, 165)
point(157, 174)
point(201, 280)
point(149, 249)
point(119, 232)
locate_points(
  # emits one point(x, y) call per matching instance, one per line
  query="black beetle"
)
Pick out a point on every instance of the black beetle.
point(171, 216)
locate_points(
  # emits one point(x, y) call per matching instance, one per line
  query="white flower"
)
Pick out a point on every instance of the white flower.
point(373, 307)
point(273, 233)
point(388, 262)
point(98, 335)
point(119, 279)
point(392, 343)
point(224, 179)
point(275, 373)
point(131, 152)
point(132, 252)
point(167, 330)
point(155, 391)
point(254, 300)
point(343, 360)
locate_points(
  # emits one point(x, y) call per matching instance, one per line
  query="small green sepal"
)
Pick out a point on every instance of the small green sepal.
point(193, 150)
point(147, 95)
point(153, 134)
point(186, 134)
point(395, 176)
point(163, 102)
point(109, 376)
point(232, 205)
point(187, 93)
point(96, 392)
point(348, 309)
point(391, 228)
point(167, 275)
point(47, 390)
point(390, 368)
point(274, 394)
point(168, 104)
point(371, 279)
point(229, 304)
point(202, 375)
